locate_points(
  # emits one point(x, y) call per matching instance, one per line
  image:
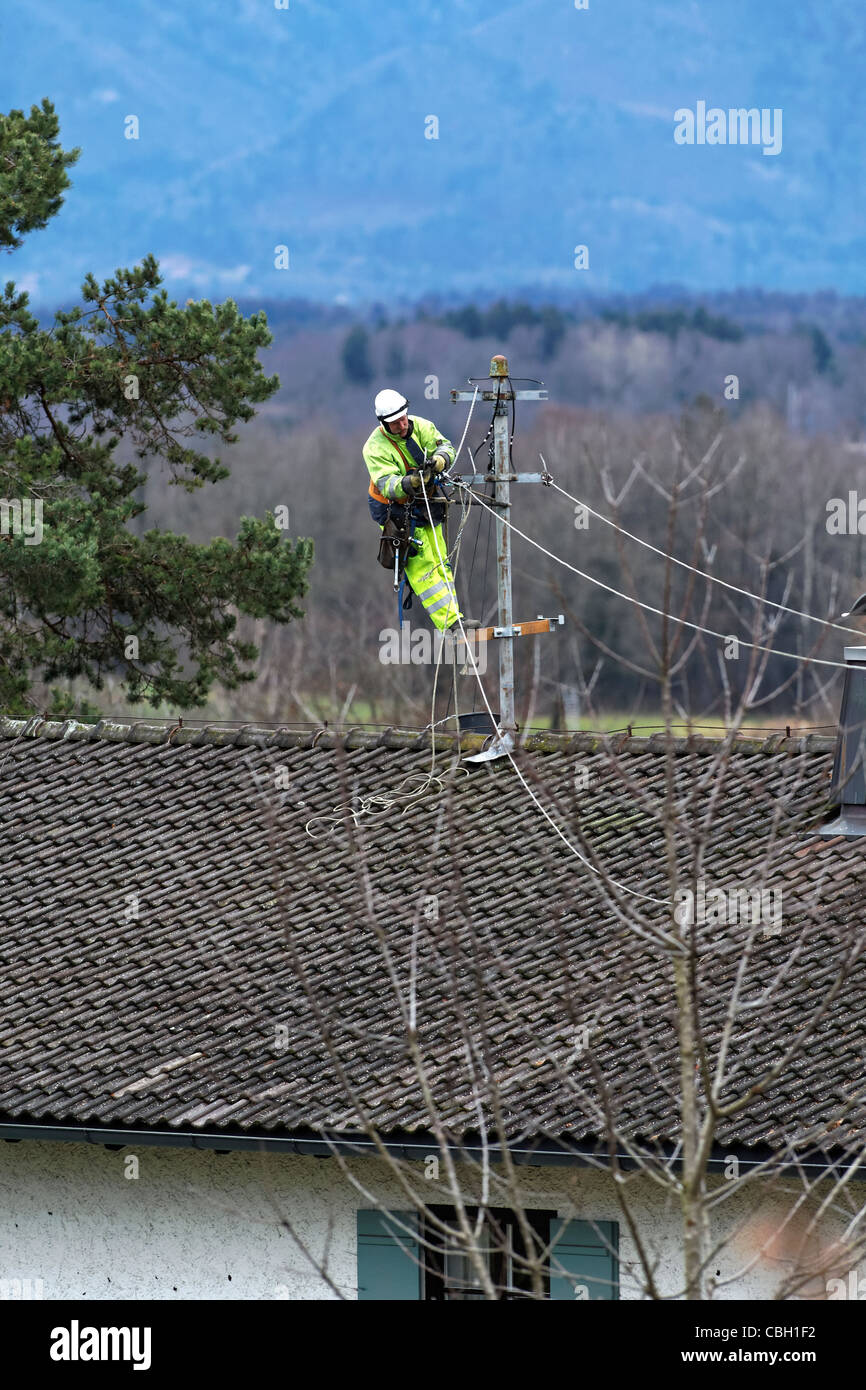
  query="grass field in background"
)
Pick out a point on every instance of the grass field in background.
point(233, 707)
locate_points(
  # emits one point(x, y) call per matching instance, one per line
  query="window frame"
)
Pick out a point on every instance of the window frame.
point(505, 1244)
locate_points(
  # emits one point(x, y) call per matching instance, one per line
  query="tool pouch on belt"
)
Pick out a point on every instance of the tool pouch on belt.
point(394, 537)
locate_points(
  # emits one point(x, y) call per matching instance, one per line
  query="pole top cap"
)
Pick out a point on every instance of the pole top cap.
point(498, 365)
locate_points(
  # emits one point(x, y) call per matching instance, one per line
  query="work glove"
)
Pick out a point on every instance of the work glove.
point(413, 480)
point(440, 463)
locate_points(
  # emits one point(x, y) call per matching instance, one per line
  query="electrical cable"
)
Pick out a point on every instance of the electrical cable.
point(465, 505)
point(466, 513)
point(466, 426)
point(305, 724)
point(454, 562)
point(659, 612)
point(381, 801)
point(647, 897)
point(713, 579)
point(483, 607)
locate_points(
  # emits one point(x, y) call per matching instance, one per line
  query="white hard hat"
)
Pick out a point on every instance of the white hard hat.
point(390, 405)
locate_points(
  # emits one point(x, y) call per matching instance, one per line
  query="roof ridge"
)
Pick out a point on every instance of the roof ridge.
point(392, 738)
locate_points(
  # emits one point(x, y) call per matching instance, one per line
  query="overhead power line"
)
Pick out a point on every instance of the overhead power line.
point(713, 578)
point(660, 612)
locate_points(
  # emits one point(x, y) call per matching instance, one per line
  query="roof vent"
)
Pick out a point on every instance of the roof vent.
point(848, 785)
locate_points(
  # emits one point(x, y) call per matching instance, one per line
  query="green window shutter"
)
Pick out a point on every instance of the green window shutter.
point(583, 1261)
point(388, 1256)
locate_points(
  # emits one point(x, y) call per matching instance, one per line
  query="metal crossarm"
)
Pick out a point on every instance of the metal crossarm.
point(498, 396)
point(479, 479)
point(533, 628)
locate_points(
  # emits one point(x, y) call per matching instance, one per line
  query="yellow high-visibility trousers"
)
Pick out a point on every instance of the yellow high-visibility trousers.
point(430, 577)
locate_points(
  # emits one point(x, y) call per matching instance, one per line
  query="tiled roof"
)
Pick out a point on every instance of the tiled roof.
point(178, 951)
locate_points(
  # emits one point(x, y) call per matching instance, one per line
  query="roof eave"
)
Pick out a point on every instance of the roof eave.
point(415, 1147)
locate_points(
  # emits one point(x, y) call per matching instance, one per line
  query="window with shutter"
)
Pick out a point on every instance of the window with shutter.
point(388, 1256)
point(584, 1261)
point(450, 1274)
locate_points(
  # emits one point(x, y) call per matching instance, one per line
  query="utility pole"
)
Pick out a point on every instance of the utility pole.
point(501, 393)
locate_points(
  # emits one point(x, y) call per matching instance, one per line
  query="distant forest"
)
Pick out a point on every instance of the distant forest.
point(803, 355)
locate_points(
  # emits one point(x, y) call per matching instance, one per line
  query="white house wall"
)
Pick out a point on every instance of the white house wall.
point(195, 1224)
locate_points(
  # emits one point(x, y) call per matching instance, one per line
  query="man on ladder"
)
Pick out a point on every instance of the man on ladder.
point(405, 456)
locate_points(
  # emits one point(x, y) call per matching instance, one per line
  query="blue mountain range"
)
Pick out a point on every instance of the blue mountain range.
point(396, 148)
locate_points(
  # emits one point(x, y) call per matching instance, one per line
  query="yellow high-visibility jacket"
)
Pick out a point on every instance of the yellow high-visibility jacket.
point(388, 457)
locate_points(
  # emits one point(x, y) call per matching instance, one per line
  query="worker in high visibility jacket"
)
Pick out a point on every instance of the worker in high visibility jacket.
point(400, 452)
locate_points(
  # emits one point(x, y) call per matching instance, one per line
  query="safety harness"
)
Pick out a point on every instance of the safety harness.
point(398, 530)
